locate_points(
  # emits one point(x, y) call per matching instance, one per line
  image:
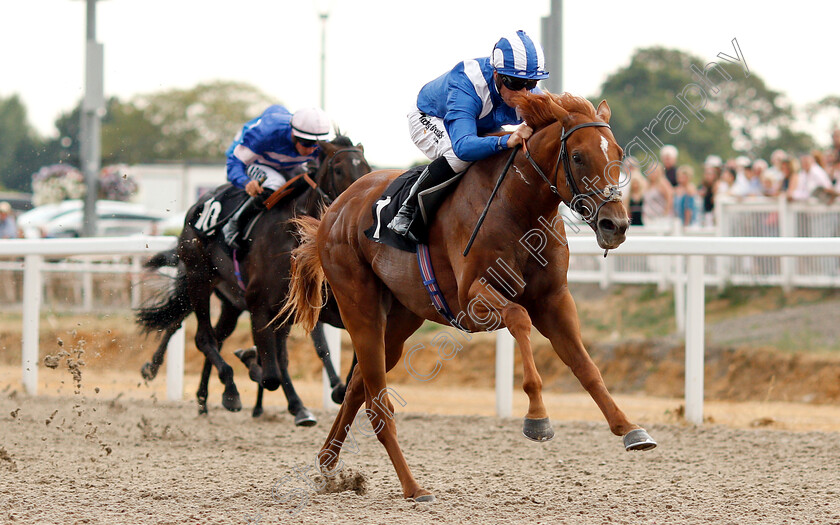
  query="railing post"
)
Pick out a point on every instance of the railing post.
point(694, 340)
point(175, 366)
point(333, 336)
point(679, 292)
point(786, 229)
point(32, 288)
point(504, 373)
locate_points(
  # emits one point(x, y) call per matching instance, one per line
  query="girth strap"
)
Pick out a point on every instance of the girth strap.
point(424, 262)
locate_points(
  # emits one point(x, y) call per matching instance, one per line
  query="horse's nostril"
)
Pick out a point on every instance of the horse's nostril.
point(607, 225)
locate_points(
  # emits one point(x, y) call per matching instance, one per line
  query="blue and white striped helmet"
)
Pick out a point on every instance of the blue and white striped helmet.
point(516, 55)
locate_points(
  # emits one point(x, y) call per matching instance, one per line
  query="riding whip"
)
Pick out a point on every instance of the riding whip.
point(492, 195)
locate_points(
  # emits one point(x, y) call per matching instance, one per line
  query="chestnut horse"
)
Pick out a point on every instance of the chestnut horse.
point(382, 298)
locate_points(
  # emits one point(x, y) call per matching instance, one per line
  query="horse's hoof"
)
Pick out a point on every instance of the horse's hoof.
point(338, 393)
point(426, 498)
point(257, 412)
point(304, 418)
point(232, 402)
point(638, 439)
point(202, 410)
point(537, 429)
point(148, 371)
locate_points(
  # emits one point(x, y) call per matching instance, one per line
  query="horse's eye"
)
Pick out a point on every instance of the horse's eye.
point(577, 158)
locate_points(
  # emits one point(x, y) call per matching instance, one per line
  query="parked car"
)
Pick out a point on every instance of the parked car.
point(65, 219)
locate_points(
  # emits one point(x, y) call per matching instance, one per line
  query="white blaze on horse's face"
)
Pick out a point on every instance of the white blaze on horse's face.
point(604, 146)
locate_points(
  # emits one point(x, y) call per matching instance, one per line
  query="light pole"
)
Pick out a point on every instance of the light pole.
point(324, 15)
point(93, 105)
point(552, 40)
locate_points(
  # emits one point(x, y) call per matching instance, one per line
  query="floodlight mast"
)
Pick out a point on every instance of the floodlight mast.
point(93, 107)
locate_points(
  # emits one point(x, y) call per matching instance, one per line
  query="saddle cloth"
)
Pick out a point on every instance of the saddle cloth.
point(214, 208)
point(387, 206)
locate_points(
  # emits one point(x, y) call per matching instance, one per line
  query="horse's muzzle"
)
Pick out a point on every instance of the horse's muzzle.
point(611, 232)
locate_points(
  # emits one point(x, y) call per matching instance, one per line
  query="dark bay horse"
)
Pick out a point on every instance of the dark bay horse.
point(205, 267)
point(382, 298)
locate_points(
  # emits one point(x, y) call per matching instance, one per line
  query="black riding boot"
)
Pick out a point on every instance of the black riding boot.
point(438, 172)
point(240, 218)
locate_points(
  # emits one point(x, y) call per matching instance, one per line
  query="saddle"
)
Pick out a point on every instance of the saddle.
point(387, 206)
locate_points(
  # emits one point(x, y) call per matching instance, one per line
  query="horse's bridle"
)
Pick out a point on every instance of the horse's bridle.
point(324, 195)
point(611, 193)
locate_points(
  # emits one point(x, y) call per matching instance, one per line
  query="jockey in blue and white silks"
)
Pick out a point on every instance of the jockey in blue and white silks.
point(456, 109)
point(267, 151)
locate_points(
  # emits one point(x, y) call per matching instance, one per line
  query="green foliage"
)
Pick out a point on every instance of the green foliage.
point(21, 150)
point(745, 115)
point(200, 123)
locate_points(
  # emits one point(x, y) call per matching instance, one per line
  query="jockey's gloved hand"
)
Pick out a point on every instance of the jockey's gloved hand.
point(256, 172)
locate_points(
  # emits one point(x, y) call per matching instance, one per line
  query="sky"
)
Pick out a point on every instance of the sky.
point(379, 53)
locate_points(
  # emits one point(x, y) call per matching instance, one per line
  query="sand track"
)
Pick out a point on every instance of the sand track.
point(90, 459)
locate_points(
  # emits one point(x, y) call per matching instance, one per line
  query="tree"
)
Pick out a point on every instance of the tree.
point(667, 96)
point(22, 151)
point(200, 123)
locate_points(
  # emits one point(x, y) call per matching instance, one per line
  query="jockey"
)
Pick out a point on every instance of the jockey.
point(456, 109)
point(269, 150)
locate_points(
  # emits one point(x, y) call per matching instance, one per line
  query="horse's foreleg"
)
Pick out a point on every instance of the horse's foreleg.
point(557, 319)
point(224, 327)
point(536, 425)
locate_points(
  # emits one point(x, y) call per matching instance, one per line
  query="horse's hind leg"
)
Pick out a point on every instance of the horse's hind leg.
point(201, 394)
point(150, 369)
point(205, 340)
point(558, 321)
point(319, 339)
point(377, 352)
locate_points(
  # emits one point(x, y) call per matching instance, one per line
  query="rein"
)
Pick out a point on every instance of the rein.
point(611, 193)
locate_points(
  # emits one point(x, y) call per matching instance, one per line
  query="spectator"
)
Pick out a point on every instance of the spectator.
point(708, 189)
point(775, 170)
point(726, 182)
point(658, 198)
point(810, 177)
point(8, 228)
point(636, 196)
point(685, 207)
point(835, 143)
point(668, 155)
point(748, 184)
point(790, 178)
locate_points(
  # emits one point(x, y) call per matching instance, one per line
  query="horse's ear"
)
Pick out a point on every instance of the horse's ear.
point(359, 145)
point(604, 111)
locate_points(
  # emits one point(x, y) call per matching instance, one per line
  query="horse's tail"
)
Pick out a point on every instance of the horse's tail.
point(171, 307)
point(161, 259)
point(307, 283)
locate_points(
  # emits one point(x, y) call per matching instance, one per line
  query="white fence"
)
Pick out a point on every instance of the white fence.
point(690, 254)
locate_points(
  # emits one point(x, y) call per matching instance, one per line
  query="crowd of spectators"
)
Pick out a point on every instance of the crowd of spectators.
point(669, 190)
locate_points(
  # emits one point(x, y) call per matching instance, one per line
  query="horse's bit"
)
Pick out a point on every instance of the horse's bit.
point(611, 193)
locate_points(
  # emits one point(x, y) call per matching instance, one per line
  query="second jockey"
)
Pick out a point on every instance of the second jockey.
point(268, 151)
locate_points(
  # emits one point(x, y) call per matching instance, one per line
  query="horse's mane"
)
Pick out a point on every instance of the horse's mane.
point(540, 110)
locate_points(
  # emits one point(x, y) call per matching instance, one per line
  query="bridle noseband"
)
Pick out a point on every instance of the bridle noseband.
point(611, 193)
